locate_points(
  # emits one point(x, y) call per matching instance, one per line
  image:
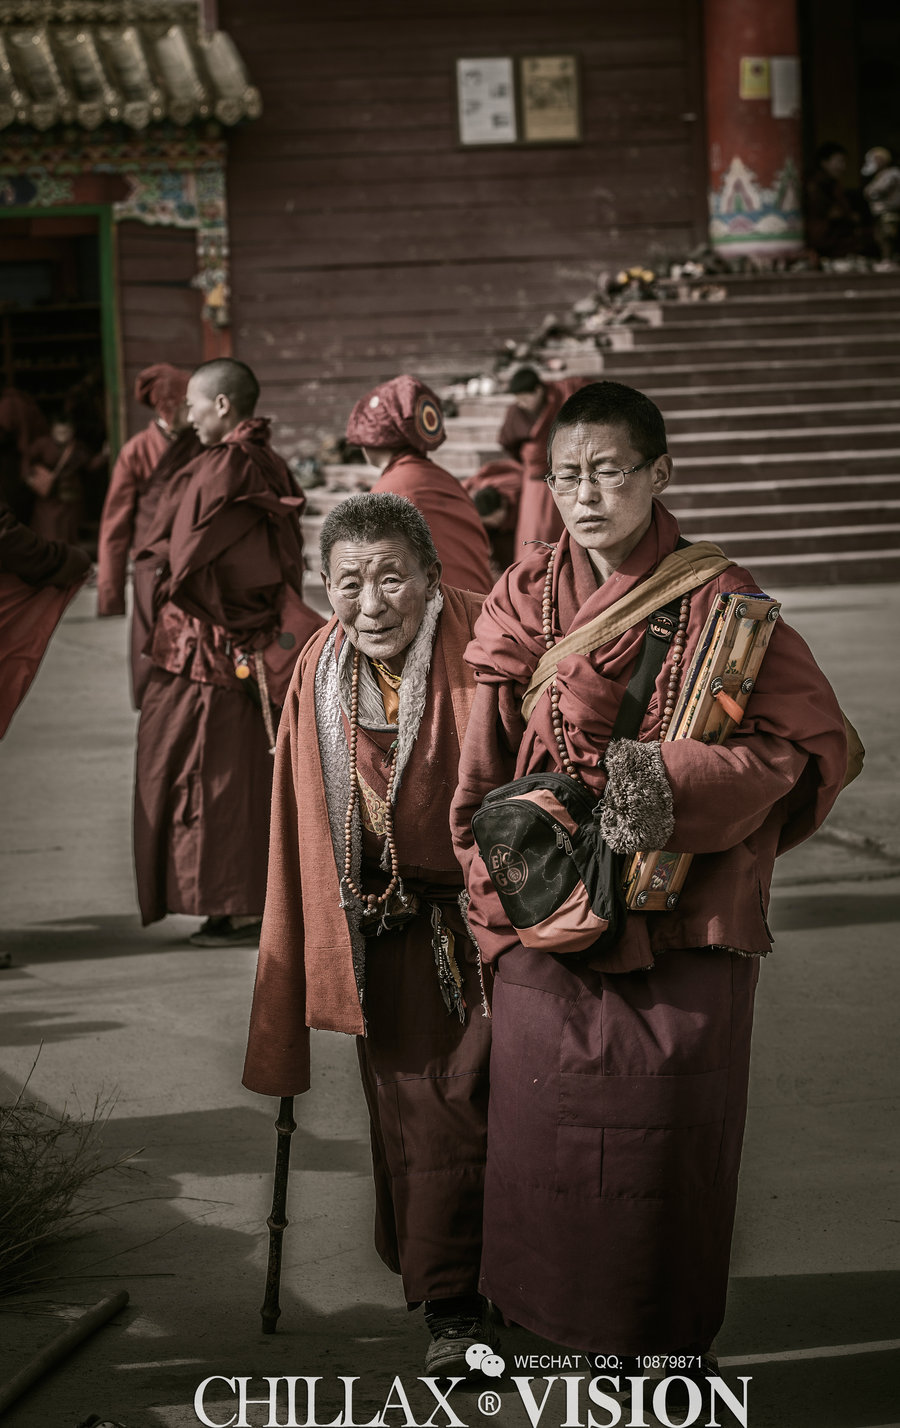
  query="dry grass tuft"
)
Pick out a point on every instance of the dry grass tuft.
point(49, 1163)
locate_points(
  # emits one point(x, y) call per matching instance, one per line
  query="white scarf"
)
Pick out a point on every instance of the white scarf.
point(332, 697)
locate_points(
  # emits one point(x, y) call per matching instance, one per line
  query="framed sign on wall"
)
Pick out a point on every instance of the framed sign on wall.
point(524, 99)
point(549, 99)
point(486, 101)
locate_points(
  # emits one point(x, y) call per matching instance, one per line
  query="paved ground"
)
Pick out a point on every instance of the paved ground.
point(133, 1015)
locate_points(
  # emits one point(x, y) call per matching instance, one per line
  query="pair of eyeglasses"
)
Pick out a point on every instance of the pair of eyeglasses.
point(565, 482)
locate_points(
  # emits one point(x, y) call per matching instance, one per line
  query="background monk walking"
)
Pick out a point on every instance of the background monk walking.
point(537, 402)
point(227, 538)
point(55, 468)
point(143, 467)
point(397, 425)
point(363, 932)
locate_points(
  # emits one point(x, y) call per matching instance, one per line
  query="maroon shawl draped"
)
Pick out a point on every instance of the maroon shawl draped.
point(768, 787)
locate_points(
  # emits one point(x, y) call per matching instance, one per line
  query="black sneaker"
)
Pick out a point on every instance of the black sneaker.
point(455, 1325)
point(678, 1400)
point(221, 932)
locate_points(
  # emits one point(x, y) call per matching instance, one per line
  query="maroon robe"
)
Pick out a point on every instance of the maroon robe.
point(56, 515)
point(38, 579)
point(515, 431)
point(455, 525)
point(618, 1084)
point(539, 519)
point(505, 477)
point(21, 423)
point(424, 1071)
point(227, 539)
point(143, 468)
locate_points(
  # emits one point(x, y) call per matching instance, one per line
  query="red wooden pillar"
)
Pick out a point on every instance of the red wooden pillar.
point(753, 126)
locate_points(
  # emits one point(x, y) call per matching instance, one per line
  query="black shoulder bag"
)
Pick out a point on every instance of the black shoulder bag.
point(539, 837)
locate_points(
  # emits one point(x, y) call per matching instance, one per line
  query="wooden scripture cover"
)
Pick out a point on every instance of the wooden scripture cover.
point(729, 654)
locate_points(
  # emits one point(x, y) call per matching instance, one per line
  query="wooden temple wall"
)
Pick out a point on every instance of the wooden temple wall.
point(366, 241)
point(159, 309)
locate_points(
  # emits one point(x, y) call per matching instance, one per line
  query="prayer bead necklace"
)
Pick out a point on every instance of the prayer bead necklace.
point(678, 644)
point(369, 901)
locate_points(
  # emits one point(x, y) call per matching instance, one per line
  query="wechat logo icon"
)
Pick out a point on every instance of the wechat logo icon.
point(482, 1359)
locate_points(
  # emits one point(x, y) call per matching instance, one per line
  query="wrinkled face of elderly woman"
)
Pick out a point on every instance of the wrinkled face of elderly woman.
point(379, 589)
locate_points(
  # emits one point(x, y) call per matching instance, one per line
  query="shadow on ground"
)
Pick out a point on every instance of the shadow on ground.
point(95, 937)
point(793, 912)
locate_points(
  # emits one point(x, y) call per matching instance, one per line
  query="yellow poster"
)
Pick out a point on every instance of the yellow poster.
point(550, 109)
point(755, 82)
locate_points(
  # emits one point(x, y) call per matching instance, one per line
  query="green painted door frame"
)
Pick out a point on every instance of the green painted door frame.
point(109, 306)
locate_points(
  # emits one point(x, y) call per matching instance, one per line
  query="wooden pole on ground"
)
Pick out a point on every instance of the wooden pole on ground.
point(60, 1347)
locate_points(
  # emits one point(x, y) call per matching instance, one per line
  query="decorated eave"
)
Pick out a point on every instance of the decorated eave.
point(93, 62)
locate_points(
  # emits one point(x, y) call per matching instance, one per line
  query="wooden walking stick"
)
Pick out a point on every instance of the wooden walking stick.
point(285, 1125)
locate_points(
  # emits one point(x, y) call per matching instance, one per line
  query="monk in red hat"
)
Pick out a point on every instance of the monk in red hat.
point(144, 466)
point(229, 622)
point(397, 425)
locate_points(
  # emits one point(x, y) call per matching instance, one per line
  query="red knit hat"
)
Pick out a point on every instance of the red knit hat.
point(162, 387)
point(402, 412)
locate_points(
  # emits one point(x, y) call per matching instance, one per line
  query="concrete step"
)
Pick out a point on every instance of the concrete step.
point(778, 572)
point(794, 326)
point(782, 284)
point(788, 517)
point(480, 431)
point(782, 304)
point(742, 543)
point(817, 415)
point(764, 491)
point(481, 427)
point(786, 466)
point(765, 441)
point(716, 350)
point(797, 404)
point(464, 457)
point(792, 373)
point(821, 390)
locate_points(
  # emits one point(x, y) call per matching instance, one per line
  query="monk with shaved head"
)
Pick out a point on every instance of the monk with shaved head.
point(229, 623)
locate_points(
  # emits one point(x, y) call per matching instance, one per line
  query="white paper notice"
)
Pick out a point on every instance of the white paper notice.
point(487, 103)
point(785, 72)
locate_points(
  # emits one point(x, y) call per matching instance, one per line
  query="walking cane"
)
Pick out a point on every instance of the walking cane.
point(285, 1125)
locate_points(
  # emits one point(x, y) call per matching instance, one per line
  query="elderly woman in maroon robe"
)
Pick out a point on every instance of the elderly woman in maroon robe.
point(619, 1079)
point(397, 425)
point(143, 467)
point(229, 620)
point(362, 930)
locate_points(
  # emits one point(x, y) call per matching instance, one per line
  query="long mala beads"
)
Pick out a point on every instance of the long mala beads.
point(549, 641)
point(370, 902)
point(678, 644)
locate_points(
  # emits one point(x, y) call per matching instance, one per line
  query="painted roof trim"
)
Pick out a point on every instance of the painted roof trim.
point(93, 62)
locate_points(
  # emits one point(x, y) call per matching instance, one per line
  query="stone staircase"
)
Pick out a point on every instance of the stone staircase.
point(782, 403)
